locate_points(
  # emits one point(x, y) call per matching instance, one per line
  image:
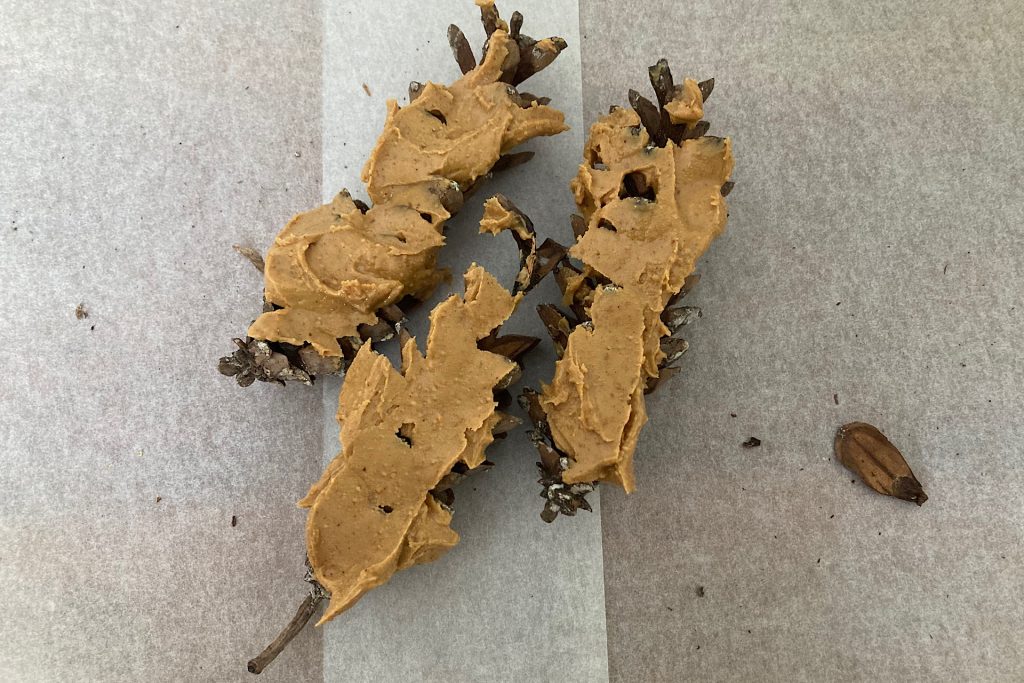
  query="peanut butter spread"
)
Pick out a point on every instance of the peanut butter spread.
point(331, 268)
point(651, 213)
point(372, 513)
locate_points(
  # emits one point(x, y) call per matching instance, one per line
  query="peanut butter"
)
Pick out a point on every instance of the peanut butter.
point(331, 268)
point(651, 212)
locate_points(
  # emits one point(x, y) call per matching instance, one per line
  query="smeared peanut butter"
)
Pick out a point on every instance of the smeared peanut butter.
point(331, 268)
point(372, 513)
point(651, 212)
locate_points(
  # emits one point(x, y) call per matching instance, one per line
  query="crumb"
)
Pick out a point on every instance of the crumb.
point(752, 442)
point(159, 498)
point(732, 414)
point(835, 397)
point(234, 520)
point(92, 327)
point(669, 608)
point(81, 312)
point(819, 561)
point(366, 89)
point(298, 154)
point(700, 591)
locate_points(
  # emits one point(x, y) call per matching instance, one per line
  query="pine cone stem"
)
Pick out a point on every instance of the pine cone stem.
point(302, 616)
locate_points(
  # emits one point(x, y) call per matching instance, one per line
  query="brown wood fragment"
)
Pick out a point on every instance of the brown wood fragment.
point(556, 325)
point(254, 257)
point(579, 225)
point(866, 452)
point(705, 88)
point(650, 116)
point(415, 88)
point(512, 346)
point(461, 49)
point(515, 24)
point(302, 616)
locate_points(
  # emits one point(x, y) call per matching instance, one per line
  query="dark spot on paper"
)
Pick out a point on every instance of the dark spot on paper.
point(366, 89)
point(700, 591)
point(92, 327)
point(159, 498)
point(819, 561)
point(752, 442)
point(831, 516)
point(669, 608)
point(835, 397)
point(234, 520)
point(732, 414)
point(81, 312)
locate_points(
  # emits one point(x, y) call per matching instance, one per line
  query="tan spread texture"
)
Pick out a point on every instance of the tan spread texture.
point(331, 268)
point(372, 514)
point(595, 402)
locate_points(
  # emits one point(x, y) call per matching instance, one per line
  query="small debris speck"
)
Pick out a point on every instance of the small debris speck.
point(366, 89)
point(752, 442)
point(819, 561)
point(669, 608)
point(159, 498)
point(700, 591)
point(92, 328)
point(298, 154)
point(835, 397)
point(732, 414)
point(831, 516)
point(234, 520)
point(81, 312)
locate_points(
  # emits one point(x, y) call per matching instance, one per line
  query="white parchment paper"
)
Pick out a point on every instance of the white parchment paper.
point(517, 599)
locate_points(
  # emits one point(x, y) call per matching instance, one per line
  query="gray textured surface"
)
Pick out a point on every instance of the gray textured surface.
point(516, 600)
point(138, 142)
point(874, 250)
